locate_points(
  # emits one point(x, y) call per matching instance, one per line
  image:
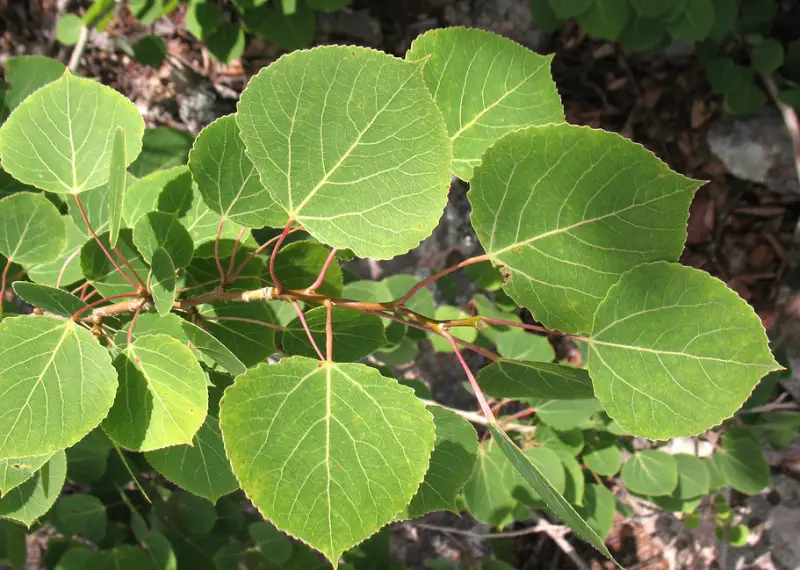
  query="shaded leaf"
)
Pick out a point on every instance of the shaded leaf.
point(32, 499)
point(650, 472)
point(565, 414)
point(694, 479)
point(598, 508)
point(162, 147)
point(250, 342)
point(603, 457)
point(65, 269)
point(213, 349)
point(299, 263)
point(605, 18)
point(50, 299)
point(273, 544)
point(24, 74)
point(81, 514)
point(287, 31)
point(355, 334)
point(157, 230)
point(742, 462)
point(87, 460)
point(359, 426)
point(570, 441)
point(518, 379)
point(516, 344)
point(485, 86)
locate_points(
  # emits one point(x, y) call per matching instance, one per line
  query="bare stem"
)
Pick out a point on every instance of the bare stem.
point(100, 243)
point(303, 322)
point(321, 277)
point(129, 266)
point(229, 274)
point(482, 403)
point(129, 338)
point(82, 310)
point(435, 277)
point(274, 255)
point(477, 418)
point(258, 250)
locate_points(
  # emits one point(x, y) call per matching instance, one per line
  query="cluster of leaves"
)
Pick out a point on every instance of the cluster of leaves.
point(337, 152)
point(288, 24)
point(733, 38)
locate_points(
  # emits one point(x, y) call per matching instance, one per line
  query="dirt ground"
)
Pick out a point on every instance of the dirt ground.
point(739, 231)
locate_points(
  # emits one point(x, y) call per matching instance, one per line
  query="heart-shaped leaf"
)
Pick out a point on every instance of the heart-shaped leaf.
point(33, 230)
point(650, 472)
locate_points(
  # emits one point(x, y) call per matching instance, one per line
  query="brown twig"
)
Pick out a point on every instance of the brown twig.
point(258, 250)
point(303, 322)
point(274, 255)
point(482, 403)
point(216, 251)
point(232, 262)
point(435, 277)
point(321, 277)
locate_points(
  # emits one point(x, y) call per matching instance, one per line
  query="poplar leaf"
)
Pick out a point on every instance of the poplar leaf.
point(228, 181)
point(551, 497)
point(16, 470)
point(650, 472)
point(117, 179)
point(31, 500)
point(213, 349)
point(60, 138)
point(485, 86)
point(65, 269)
point(50, 299)
point(328, 130)
point(95, 204)
point(451, 464)
point(355, 335)
point(63, 390)
point(519, 379)
point(357, 461)
point(565, 414)
point(161, 230)
point(24, 74)
point(162, 147)
point(603, 457)
point(101, 272)
point(33, 231)
point(694, 479)
point(300, 262)
point(81, 514)
point(201, 468)
point(742, 462)
point(162, 281)
point(675, 351)
point(162, 398)
point(565, 210)
point(250, 342)
point(598, 508)
point(488, 492)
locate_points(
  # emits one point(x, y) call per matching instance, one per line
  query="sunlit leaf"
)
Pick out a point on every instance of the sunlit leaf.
point(200, 468)
point(34, 497)
point(25, 74)
point(603, 456)
point(485, 86)
point(162, 398)
point(117, 179)
point(16, 470)
point(516, 344)
point(162, 281)
point(332, 490)
point(675, 351)
point(65, 269)
point(33, 230)
point(157, 230)
point(50, 299)
point(39, 142)
point(64, 389)
point(650, 472)
point(578, 207)
point(338, 152)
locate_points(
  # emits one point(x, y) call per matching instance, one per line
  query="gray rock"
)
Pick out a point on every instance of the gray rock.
point(756, 148)
point(785, 537)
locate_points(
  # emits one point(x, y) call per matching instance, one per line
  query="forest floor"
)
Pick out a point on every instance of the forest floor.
point(739, 231)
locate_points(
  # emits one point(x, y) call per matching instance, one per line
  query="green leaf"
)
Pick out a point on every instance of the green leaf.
point(570, 441)
point(451, 464)
point(767, 56)
point(725, 14)
point(143, 194)
point(194, 514)
point(565, 414)
point(81, 514)
point(273, 544)
point(227, 179)
point(87, 460)
point(162, 398)
point(598, 508)
point(746, 100)
point(485, 86)
point(16, 470)
point(693, 477)
point(355, 335)
point(32, 499)
point(298, 265)
point(250, 342)
point(738, 535)
point(605, 18)
point(695, 22)
point(65, 269)
point(360, 171)
point(447, 313)
point(650, 472)
point(547, 462)
point(68, 29)
point(38, 142)
point(743, 463)
point(101, 272)
point(326, 5)
point(202, 18)
point(566, 9)
point(717, 479)
point(27, 73)
point(617, 207)
point(575, 483)
point(213, 349)
point(552, 498)
point(544, 17)
point(33, 230)
point(148, 11)
point(50, 299)
point(116, 185)
point(162, 281)
point(516, 344)
point(200, 468)
point(488, 492)
point(157, 230)
point(287, 31)
point(332, 490)
point(603, 457)
point(150, 50)
point(518, 379)
point(641, 34)
point(64, 389)
point(162, 147)
point(725, 76)
point(678, 379)
point(95, 204)
point(226, 43)
point(650, 9)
